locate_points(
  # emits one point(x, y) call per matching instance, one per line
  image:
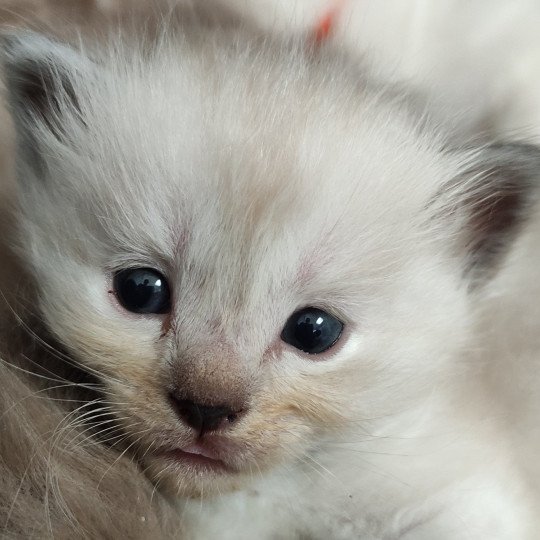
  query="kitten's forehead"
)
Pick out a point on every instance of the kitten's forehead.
point(250, 143)
point(245, 169)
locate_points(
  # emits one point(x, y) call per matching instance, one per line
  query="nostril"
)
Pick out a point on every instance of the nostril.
point(186, 411)
point(201, 417)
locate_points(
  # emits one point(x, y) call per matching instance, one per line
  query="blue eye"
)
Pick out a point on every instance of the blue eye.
point(142, 290)
point(312, 330)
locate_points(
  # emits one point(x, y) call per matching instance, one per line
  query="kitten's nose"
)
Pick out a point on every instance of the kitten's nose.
point(204, 418)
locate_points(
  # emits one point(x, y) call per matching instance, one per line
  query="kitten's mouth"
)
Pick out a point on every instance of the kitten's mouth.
point(198, 457)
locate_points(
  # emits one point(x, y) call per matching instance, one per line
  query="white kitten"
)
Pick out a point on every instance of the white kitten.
point(276, 269)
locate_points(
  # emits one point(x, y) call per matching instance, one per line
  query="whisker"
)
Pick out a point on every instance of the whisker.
point(59, 355)
point(118, 458)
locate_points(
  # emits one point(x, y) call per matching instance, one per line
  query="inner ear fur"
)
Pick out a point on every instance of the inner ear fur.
point(38, 74)
point(495, 196)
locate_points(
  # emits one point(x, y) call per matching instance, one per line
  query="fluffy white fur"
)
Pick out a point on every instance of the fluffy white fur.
point(260, 178)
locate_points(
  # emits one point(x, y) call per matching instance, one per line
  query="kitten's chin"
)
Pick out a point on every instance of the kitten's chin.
point(179, 473)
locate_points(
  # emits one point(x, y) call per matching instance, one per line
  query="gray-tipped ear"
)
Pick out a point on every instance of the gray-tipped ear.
point(39, 73)
point(498, 194)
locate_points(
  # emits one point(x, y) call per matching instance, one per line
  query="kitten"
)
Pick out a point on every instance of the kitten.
point(273, 278)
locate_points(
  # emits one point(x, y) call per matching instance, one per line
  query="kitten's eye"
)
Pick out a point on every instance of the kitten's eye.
point(312, 330)
point(142, 290)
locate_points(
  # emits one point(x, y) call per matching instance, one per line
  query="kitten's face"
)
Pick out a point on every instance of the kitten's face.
point(255, 188)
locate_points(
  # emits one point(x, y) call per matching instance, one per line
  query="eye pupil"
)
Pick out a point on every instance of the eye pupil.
point(312, 330)
point(142, 290)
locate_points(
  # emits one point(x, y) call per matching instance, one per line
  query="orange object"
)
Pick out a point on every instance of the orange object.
point(326, 23)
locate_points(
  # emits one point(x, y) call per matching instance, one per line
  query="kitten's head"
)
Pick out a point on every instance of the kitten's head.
point(253, 249)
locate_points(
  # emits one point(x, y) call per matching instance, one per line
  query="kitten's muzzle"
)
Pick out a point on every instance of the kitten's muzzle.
point(204, 418)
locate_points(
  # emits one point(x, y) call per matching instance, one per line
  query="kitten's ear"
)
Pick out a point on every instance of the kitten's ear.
point(40, 77)
point(494, 197)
